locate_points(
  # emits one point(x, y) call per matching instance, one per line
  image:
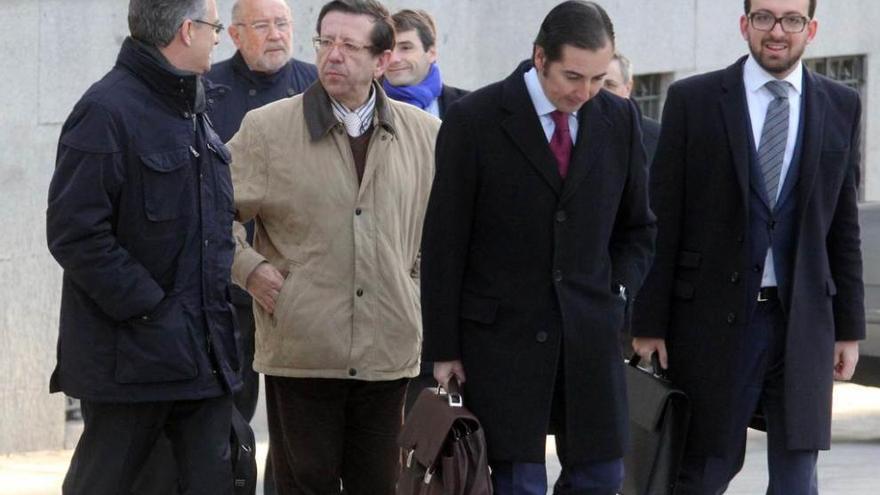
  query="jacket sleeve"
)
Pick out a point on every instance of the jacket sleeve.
point(250, 180)
point(446, 236)
point(652, 307)
point(82, 210)
point(844, 249)
point(632, 241)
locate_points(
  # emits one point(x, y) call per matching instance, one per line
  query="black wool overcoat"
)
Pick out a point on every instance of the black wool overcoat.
point(520, 269)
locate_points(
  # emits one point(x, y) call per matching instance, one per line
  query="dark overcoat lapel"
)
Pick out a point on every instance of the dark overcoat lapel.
point(593, 127)
point(524, 129)
point(735, 111)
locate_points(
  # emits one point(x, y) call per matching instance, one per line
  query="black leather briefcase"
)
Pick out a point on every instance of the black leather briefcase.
point(658, 418)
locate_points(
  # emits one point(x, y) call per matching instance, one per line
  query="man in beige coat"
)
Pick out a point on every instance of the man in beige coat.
point(337, 180)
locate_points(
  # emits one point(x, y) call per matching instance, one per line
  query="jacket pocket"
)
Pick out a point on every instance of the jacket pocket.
point(480, 309)
point(165, 183)
point(683, 290)
point(830, 287)
point(156, 349)
point(689, 259)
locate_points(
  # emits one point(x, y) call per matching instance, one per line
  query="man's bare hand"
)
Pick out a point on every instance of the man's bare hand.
point(444, 370)
point(264, 285)
point(846, 355)
point(644, 347)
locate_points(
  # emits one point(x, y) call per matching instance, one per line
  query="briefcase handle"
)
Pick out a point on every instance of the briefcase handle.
point(453, 392)
point(655, 364)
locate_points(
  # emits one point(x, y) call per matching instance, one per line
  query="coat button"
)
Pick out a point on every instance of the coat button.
point(352, 372)
point(561, 216)
point(741, 239)
point(734, 277)
point(541, 337)
point(757, 268)
point(252, 92)
point(359, 292)
point(357, 211)
point(557, 275)
point(731, 318)
point(186, 115)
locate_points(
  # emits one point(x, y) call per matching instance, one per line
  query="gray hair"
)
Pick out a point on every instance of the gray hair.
point(626, 67)
point(155, 22)
point(236, 11)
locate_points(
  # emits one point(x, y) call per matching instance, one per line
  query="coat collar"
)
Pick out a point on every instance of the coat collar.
point(815, 103)
point(524, 128)
point(260, 79)
point(319, 113)
point(734, 108)
point(183, 90)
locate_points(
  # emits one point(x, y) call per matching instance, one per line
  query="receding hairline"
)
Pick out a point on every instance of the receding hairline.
point(238, 6)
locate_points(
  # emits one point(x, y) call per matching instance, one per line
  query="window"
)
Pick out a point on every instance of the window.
point(649, 92)
point(849, 70)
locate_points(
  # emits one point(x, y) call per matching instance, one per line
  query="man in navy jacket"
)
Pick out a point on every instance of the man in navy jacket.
point(139, 217)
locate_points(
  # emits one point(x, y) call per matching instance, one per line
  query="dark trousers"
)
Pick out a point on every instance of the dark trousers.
point(585, 478)
point(792, 472)
point(325, 434)
point(118, 438)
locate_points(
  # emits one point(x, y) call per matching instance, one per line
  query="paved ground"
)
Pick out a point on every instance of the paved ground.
point(852, 467)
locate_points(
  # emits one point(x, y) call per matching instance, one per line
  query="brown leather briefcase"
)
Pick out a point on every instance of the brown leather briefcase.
point(444, 447)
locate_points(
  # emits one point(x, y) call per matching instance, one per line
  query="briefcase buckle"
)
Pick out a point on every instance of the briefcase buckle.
point(455, 400)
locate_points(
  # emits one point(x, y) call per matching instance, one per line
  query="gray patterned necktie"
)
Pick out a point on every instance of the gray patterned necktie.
point(773, 138)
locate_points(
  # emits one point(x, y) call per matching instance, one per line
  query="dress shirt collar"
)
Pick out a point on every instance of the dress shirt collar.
point(543, 105)
point(356, 121)
point(755, 77)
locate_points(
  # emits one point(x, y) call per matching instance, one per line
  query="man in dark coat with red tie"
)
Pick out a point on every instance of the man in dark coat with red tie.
point(537, 233)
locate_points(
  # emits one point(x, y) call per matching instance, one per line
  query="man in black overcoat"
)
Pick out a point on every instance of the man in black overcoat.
point(756, 291)
point(537, 232)
point(621, 81)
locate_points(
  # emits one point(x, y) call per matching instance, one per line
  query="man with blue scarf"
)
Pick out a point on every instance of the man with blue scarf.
point(413, 76)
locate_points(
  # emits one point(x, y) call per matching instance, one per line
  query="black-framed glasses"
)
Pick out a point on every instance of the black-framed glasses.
point(347, 47)
point(765, 21)
point(218, 28)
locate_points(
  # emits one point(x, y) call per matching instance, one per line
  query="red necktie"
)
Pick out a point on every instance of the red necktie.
point(560, 143)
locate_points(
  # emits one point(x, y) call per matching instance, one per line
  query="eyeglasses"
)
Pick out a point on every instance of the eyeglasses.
point(764, 21)
point(346, 47)
point(263, 27)
point(218, 28)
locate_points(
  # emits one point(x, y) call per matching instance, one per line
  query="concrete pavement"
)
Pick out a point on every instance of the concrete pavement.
point(852, 467)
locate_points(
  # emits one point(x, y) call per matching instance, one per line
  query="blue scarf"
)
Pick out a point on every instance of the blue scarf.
point(421, 94)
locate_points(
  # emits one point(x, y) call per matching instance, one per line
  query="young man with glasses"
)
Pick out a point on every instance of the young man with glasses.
point(755, 300)
point(140, 219)
point(336, 180)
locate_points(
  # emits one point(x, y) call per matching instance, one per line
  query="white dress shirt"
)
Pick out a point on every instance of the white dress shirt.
point(543, 107)
point(758, 98)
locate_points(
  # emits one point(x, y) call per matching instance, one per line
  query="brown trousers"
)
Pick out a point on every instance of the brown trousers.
point(325, 434)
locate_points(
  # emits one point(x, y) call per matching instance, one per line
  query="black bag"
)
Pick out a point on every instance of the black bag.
point(242, 452)
point(658, 419)
point(444, 447)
